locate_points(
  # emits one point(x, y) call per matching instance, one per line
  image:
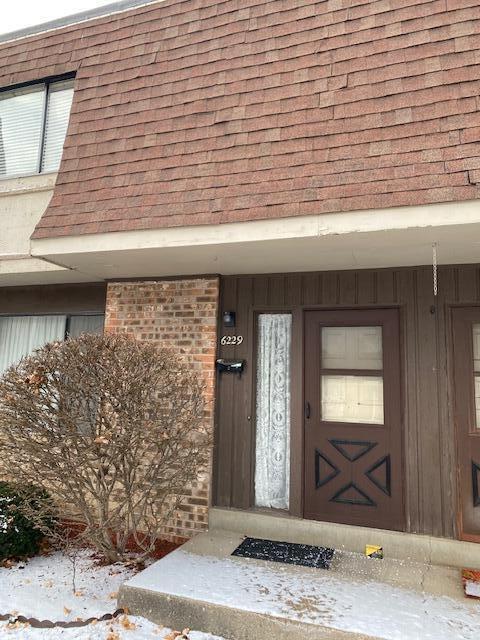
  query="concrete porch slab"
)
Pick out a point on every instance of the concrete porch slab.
point(203, 587)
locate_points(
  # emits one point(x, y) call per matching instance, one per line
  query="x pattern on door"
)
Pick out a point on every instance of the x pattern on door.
point(378, 473)
point(476, 484)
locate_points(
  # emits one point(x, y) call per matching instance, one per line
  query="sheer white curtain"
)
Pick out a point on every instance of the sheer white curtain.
point(19, 336)
point(272, 471)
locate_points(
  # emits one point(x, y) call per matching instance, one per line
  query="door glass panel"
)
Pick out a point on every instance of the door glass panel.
point(476, 368)
point(477, 401)
point(347, 394)
point(357, 399)
point(352, 348)
point(272, 468)
point(476, 348)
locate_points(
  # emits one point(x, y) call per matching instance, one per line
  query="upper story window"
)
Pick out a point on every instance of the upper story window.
point(33, 124)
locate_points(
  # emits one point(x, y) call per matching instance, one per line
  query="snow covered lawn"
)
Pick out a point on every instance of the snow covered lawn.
point(42, 588)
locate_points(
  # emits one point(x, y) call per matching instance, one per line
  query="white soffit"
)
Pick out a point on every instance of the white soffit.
point(362, 239)
point(33, 271)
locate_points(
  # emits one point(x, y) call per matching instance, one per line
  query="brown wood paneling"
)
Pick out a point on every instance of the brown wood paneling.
point(297, 416)
point(242, 402)
point(366, 288)
point(277, 291)
point(427, 404)
point(225, 425)
point(347, 288)
point(407, 281)
point(59, 298)
point(311, 289)
point(447, 452)
point(467, 283)
point(429, 445)
point(293, 290)
point(330, 289)
point(387, 287)
point(260, 291)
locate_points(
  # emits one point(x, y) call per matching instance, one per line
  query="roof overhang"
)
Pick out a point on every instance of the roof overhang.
point(354, 240)
point(25, 271)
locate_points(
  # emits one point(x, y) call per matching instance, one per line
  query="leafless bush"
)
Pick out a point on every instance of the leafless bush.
point(112, 428)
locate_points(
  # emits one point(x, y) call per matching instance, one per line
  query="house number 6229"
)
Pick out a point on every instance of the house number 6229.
point(231, 340)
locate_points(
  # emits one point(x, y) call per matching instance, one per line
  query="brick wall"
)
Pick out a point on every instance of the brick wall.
point(181, 314)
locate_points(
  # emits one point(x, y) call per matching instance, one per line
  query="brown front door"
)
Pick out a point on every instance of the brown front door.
point(353, 422)
point(466, 362)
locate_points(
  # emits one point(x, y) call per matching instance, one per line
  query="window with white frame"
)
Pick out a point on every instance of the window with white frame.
point(33, 125)
point(20, 335)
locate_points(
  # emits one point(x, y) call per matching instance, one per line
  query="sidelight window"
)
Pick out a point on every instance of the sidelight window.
point(272, 470)
point(352, 375)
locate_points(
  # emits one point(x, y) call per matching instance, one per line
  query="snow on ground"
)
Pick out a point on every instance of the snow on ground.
point(42, 588)
point(314, 596)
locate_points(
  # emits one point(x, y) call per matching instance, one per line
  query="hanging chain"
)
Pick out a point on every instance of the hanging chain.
point(435, 268)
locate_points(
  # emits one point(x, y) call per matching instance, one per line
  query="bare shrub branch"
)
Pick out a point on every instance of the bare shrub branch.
point(112, 428)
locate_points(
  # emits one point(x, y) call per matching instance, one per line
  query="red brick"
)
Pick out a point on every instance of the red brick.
point(181, 315)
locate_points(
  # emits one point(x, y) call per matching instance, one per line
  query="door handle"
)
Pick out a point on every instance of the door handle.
point(307, 410)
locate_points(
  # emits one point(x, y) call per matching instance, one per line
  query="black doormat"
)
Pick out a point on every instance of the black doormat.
point(303, 555)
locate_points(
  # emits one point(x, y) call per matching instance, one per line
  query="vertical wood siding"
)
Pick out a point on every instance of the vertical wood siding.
point(429, 438)
point(55, 298)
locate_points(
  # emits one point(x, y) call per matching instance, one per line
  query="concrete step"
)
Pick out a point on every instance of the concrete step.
point(203, 587)
point(396, 544)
